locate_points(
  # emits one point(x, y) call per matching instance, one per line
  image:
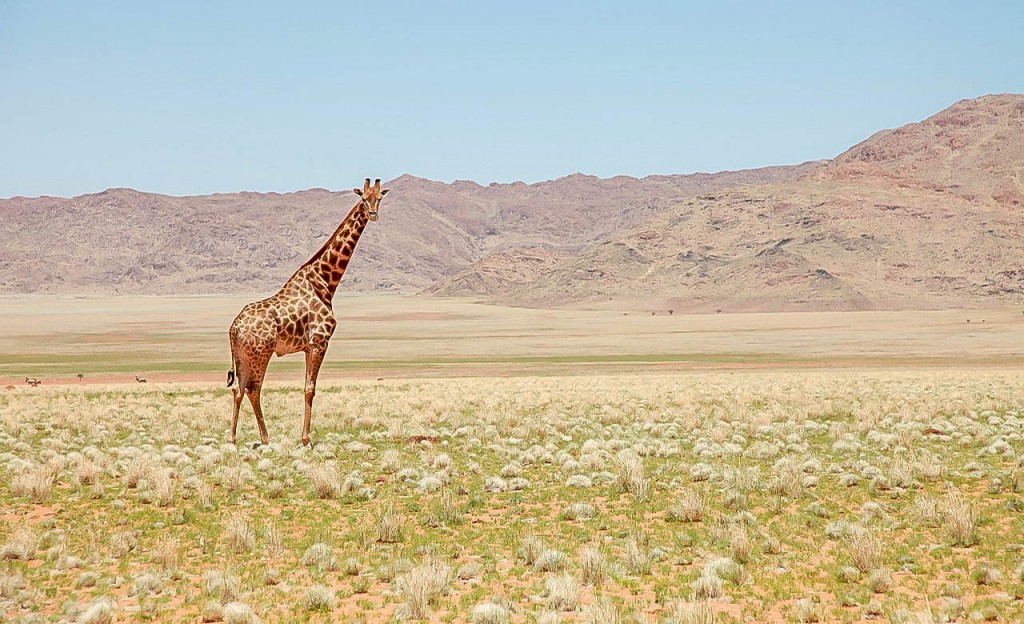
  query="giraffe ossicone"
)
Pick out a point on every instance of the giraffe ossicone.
point(296, 318)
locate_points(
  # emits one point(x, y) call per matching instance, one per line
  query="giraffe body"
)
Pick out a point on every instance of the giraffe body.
point(297, 318)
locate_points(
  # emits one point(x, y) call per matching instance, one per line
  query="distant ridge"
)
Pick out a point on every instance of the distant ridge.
point(122, 241)
point(927, 215)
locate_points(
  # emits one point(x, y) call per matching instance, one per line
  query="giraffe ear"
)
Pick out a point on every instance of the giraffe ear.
point(384, 192)
point(358, 192)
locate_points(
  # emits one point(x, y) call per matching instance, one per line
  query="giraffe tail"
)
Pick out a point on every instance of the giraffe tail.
point(233, 372)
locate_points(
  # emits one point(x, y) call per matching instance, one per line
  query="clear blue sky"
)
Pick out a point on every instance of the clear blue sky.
point(186, 97)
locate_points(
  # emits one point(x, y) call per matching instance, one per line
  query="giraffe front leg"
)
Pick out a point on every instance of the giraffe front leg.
point(314, 357)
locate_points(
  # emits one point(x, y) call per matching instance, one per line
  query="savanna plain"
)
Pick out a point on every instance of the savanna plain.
point(487, 464)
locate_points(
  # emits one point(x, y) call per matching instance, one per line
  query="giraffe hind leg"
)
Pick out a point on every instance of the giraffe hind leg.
point(238, 390)
point(255, 384)
point(238, 394)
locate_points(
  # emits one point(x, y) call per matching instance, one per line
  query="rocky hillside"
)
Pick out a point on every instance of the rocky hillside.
point(925, 216)
point(974, 149)
point(122, 241)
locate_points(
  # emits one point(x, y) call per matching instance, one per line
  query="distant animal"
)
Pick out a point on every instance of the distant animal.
point(298, 317)
point(33, 381)
point(140, 379)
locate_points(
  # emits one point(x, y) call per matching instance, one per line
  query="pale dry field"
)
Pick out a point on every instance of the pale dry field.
point(548, 466)
point(179, 339)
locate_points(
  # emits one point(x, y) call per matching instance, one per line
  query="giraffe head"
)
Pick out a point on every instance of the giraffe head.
point(371, 197)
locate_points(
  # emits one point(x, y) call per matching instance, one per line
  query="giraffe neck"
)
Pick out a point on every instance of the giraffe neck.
point(332, 259)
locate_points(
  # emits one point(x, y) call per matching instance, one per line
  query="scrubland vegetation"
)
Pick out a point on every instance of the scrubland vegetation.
point(687, 497)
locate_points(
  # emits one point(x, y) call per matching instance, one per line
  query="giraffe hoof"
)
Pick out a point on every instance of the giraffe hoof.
point(307, 442)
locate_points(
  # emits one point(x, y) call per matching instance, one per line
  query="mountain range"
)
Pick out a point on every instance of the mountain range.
point(928, 215)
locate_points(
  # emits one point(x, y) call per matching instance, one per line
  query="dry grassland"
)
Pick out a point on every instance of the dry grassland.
point(185, 339)
point(792, 493)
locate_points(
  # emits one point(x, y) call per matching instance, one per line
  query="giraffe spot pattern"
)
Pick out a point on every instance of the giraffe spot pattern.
point(298, 317)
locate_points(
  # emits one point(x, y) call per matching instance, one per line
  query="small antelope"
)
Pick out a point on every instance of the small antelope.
point(140, 379)
point(32, 381)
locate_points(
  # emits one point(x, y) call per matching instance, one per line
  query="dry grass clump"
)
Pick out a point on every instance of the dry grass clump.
point(740, 545)
point(594, 566)
point(239, 613)
point(138, 469)
point(629, 474)
point(100, 611)
point(926, 510)
point(157, 487)
point(388, 525)
point(549, 617)
point(579, 481)
point(222, 585)
point(325, 480)
point(682, 612)
point(233, 477)
point(689, 507)
point(489, 613)
point(446, 511)
point(530, 548)
point(421, 586)
point(122, 543)
point(469, 571)
point(145, 584)
point(550, 560)
point(320, 556)
point(806, 610)
point(318, 598)
point(22, 544)
point(390, 461)
point(390, 570)
point(238, 535)
point(36, 483)
point(601, 611)
point(986, 574)
point(636, 556)
point(273, 542)
point(213, 611)
point(11, 583)
point(166, 553)
point(960, 520)
point(708, 587)
point(880, 581)
point(511, 470)
point(865, 549)
point(578, 511)
point(561, 592)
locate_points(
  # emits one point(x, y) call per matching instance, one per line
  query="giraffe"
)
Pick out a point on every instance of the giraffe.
point(298, 317)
